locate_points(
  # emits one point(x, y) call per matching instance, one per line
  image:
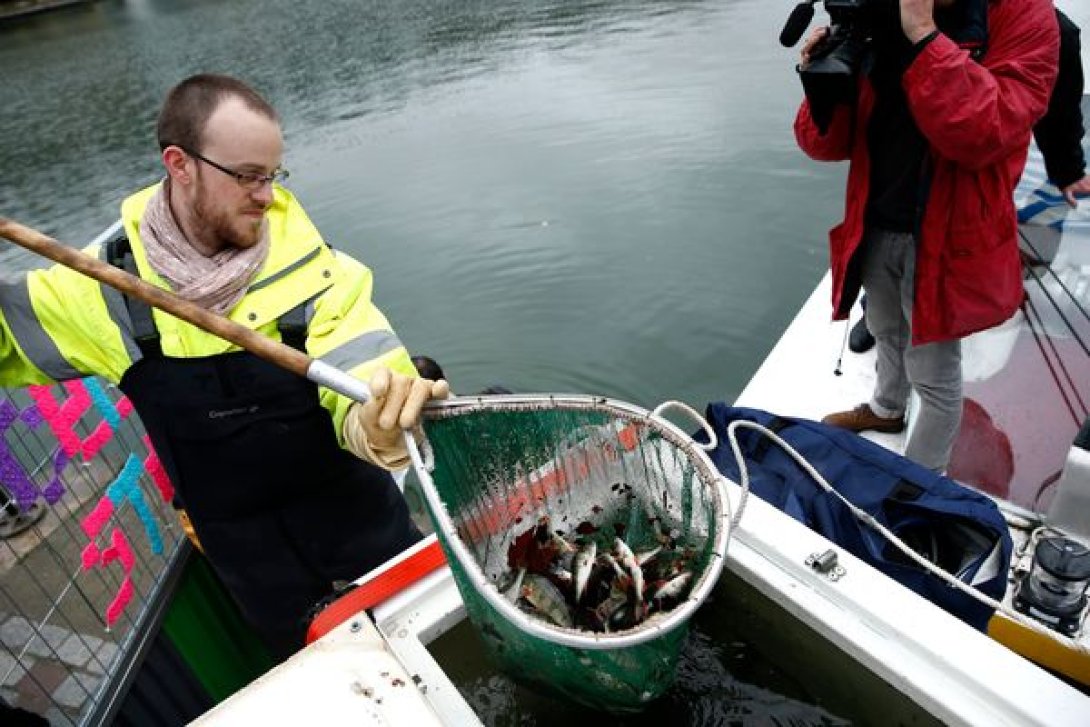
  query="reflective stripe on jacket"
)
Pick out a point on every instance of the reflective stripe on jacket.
point(977, 118)
point(56, 324)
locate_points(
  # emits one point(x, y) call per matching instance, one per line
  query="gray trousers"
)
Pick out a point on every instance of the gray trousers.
point(933, 370)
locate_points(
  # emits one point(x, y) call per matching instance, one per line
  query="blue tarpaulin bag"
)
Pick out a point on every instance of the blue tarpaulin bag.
point(951, 525)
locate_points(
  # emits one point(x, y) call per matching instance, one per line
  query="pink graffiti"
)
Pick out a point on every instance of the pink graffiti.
point(154, 468)
point(124, 489)
point(120, 551)
point(62, 418)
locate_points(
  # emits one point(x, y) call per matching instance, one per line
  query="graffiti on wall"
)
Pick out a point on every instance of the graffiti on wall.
point(83, 396)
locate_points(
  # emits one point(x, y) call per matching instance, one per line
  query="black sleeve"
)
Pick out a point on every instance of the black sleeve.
point(1059, 132)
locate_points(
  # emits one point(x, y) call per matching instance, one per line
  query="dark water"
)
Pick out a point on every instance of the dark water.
point(599, 197)
point(746, 663)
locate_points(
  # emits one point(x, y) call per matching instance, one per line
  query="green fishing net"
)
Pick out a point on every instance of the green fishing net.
point(596, 469)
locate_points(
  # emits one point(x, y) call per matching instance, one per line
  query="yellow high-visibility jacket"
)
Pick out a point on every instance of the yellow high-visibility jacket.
point(57, 324)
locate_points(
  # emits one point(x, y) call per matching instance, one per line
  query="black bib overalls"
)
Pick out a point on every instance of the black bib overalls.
point(281, 510)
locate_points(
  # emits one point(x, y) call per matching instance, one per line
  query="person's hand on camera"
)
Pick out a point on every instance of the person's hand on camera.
point(918, 19)
point(374, 431)
point(1073, 191)
point(817, 36)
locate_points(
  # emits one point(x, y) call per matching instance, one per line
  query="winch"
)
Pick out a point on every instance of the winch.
point(1054, 589)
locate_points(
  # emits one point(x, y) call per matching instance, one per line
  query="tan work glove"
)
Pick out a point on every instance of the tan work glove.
point(373, 431)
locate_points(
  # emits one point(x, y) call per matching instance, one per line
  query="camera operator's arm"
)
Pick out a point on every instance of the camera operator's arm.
point(976, 114)
point(1059, 132)
point(834, 143)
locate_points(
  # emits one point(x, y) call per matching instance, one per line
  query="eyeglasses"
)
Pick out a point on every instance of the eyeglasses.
point(247, 180)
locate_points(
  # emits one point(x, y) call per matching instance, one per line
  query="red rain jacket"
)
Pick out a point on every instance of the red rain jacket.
point(977, 118)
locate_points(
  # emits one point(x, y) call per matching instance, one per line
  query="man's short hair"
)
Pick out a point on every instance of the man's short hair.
point(190, 104)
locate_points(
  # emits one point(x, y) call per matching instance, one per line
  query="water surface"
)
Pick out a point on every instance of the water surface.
point(598, 197)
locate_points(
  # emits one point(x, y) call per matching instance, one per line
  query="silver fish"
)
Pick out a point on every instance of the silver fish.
point(642, 558)
point(608, 560)
point(621, 551)
point(672, 588)
point(560, 576)
point(546, 598)
point(611, 611)
point(622, 609)
point(627, 559)
point(565, 551)
point(582, 564)
point(563, 547)
point(667, 565)
point(513, 591)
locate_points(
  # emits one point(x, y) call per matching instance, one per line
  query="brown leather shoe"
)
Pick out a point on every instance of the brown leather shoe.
point(861, 418)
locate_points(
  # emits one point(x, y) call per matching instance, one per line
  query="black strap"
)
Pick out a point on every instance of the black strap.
point(293, 327)
point(119, 254)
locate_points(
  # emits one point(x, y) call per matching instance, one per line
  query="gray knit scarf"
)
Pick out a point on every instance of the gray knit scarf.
point(217, 282)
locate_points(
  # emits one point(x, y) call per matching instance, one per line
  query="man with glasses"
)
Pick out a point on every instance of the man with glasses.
point(285, 484)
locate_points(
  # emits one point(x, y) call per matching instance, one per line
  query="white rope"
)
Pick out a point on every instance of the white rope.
point(867, 519)
point(681, 406)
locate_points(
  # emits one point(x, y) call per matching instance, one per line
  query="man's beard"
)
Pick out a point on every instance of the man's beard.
point(218, 231)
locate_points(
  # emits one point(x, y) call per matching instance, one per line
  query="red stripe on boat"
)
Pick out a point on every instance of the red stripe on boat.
point(373, 592)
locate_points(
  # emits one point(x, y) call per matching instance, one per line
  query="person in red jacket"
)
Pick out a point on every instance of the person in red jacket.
point(937, 136)
point(1058, 135)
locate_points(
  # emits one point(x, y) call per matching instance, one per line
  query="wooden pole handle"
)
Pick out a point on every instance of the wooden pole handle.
point(272, 351)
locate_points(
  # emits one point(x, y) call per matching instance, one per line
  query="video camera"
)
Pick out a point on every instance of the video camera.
point(829, 77)
point(853, 26)
point(836, 60)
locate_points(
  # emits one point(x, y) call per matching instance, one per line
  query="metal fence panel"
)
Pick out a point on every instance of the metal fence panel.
point(86, 531)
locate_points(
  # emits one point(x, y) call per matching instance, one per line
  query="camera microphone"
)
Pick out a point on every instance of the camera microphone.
point(797, 22)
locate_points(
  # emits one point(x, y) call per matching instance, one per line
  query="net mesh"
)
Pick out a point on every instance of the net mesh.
point(591, 466)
